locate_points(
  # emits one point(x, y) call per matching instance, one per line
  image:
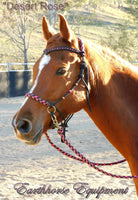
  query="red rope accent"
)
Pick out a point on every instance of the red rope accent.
point(47, 51)
point(38, 99)
point(84, 159)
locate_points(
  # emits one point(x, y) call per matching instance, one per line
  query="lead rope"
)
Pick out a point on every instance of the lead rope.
point(83, 158)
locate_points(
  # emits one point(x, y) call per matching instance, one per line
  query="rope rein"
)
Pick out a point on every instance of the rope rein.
point(51, 109)
point(83, 159)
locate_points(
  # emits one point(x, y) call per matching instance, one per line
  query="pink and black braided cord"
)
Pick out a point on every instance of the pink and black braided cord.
point(38, 99)
point(83, 159)
point(47, 51)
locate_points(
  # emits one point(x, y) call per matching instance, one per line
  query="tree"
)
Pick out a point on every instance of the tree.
point(20, 30)
point(20, 18)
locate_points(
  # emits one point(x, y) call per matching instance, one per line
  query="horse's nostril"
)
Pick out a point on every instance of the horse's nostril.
point(24, 126)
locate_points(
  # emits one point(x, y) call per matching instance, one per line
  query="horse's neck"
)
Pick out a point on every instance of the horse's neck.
point(100, 75)
point(111, 100)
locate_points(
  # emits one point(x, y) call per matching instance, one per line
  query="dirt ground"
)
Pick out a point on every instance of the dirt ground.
point(40, 172)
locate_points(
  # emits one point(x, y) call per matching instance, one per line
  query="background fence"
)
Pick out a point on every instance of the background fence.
point(15, 66)
point(15, 81)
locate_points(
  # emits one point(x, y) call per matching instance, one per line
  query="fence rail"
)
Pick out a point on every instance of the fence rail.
point(7, 66)
point(133, 61)
point(14, 66)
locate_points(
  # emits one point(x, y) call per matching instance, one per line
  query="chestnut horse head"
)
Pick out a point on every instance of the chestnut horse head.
point(56, 75)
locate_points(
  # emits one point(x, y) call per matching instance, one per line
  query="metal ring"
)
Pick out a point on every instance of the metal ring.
point(51, 109)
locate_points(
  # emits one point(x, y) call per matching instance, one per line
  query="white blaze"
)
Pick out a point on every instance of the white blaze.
point(44, 61)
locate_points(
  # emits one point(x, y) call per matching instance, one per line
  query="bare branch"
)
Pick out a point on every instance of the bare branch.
point(30, 36)
point(18, 25)
point(11, 30)
point(16, 41)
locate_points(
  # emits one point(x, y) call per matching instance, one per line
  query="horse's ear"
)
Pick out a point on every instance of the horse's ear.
point(64, 28)
point(47, 30)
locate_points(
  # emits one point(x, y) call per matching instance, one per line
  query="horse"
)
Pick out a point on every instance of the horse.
point(107, 91)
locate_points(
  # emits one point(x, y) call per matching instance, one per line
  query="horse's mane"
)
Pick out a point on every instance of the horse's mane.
point(109, 55)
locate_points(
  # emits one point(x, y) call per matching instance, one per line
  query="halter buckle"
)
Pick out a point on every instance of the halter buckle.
point(51, 109)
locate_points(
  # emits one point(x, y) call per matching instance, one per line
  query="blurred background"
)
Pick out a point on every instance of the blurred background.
point(109, 23)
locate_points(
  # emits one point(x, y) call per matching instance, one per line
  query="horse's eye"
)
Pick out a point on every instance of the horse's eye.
point(61, 71)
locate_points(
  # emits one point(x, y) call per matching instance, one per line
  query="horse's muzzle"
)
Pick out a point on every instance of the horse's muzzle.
point(24, 131)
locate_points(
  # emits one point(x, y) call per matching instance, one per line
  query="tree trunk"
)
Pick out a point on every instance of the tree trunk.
point(25, 49)
point(25, 59)
point(51, 13)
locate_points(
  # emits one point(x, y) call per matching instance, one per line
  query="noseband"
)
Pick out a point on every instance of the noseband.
point(83, 76)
